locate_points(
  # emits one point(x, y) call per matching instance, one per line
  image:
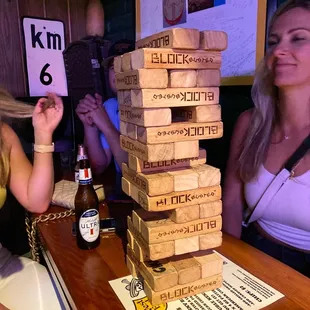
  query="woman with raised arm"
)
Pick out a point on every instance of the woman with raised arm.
point(25, 284)
point(266, 136)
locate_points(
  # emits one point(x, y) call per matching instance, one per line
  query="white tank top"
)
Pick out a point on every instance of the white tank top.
point(287, 217)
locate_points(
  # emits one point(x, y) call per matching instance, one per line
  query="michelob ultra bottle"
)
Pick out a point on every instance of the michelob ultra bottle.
point(81, 154)
point(86, 210)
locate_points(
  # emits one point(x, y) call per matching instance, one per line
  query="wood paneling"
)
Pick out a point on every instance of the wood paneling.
point(58, 9)
point(77, 9)
point(33, 8)
point(12, 73)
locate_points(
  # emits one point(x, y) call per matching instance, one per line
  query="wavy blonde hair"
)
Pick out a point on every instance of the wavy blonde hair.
point(265, 113)
point(9, 107)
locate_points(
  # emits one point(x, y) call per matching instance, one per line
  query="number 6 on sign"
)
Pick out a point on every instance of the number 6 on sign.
point(44, 41)
point(45, 77)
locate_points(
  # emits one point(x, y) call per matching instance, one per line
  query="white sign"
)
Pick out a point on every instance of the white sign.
point(44, 43)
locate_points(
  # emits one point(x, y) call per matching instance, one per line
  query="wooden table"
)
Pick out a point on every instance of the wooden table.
point(84, 275)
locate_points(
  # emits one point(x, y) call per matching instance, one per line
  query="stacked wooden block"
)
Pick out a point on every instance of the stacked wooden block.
point(168, 92)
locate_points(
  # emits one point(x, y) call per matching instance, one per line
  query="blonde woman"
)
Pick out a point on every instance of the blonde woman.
point(266, 136)
point(25, 284)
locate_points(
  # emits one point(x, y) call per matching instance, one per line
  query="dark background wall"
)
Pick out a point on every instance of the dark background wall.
point(119, 19)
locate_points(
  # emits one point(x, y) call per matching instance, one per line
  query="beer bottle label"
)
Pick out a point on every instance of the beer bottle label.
point(85, 176)
point(89, 225)
point(76, 176)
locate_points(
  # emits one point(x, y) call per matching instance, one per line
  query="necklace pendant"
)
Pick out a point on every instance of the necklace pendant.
point(286, 137)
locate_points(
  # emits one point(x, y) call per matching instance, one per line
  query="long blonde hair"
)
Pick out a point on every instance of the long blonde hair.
point(265, 114)
point(9, 107)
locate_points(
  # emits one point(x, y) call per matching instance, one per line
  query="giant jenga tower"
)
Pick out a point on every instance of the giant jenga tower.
point(168, 93)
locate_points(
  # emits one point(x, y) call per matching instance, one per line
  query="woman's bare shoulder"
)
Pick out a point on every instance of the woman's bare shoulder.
point(8, 134)
point(244, 119)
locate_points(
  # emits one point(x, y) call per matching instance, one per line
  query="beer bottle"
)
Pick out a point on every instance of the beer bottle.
point(81, 154)
point(86, 209)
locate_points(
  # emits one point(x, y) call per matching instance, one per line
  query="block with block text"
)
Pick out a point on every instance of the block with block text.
point(168, 94)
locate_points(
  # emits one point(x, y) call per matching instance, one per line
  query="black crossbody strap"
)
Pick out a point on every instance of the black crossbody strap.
point(298, 154)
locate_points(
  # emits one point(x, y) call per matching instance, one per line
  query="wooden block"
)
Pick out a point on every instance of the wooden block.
point(208, 78)
point(210, 241)
point(118, 64)
point(152, 153)
point(186, 149)
point(186, 245)
point(152, 184)
point(126, 62)
point(131, 267)
point(180, 132)
point(210, 263)
point(146, 216)
point(213, 40)
point(123, 128)
point(126, 187)
point(154, 231)
point(173, 38)
point(165, 58)
point(184, 179)
point(139, 165)
point(210, 209)
point(182, 78)
point(182, 291)
point(130, 238)
point(199, 114)
point(128, 130)
point(136, 79)
point(175, 199)
point(174, 97)
point(140, 251)
point(132, 131)
point(187, 268)
point(145, 117)
point(124, 97)
point(151, 251)
point(159, 274)
point(185, 214)
point(208, 175)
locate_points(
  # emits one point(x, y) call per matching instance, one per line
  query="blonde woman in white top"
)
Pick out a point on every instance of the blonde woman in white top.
point(267, 135)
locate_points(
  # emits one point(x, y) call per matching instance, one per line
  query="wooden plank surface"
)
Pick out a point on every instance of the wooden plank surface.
point(180, 132)
point(164, 58)
point(174, 97)
point(173, 38)
point(176, 199)
point(213, 40)
point(136, 79)
point(145, 117)
point(12, 75)
point(126, 62)
point(198, 114)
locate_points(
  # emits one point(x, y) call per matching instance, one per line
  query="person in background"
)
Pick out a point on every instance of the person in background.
point(266, 136)
point(101, 121)
point(25, 284)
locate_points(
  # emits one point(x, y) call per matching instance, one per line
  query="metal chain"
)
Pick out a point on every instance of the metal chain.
point(31, 228)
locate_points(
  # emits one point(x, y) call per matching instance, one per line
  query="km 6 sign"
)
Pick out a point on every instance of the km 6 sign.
point(44, 41)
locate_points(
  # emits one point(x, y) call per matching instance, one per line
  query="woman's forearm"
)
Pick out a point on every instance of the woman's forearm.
point(41, 181)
